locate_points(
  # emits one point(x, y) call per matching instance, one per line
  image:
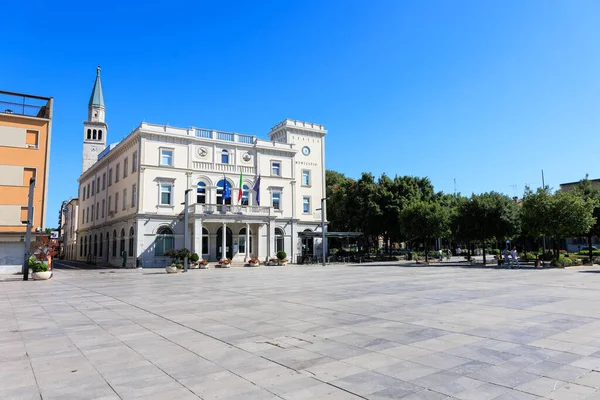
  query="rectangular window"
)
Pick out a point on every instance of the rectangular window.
point(165, 194)
point(125, 167)
point(133, 195)
point(88, 191)
point(276, 168)
point(134, 162)
point(28, 173)
point(305, 177)
point(98, 185)
point(24, 215)
point(97, 210)
point(32, 139)
point(103, 204)
point(276, 199)
point(117, 171)
point(92, 212)
point(166, 157)
point(109, 204)
point(110, 177)
point(306, 205)
point(116, 202)
point(93, 187)
point(104, 181)
point(87, 215)
point(124, 199)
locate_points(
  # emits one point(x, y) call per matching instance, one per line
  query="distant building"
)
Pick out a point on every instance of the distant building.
point(25, 133)
point(247, 197)
point(68, 236)
point(566, 187)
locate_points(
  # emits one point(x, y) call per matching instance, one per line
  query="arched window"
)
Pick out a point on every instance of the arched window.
point(95, 245)
point(122, 246)
point(224, 157)
point(89, 135)
point(245, 197)
point(94, 135)
point(131, 237)
point(100, 134)
point(222, 198)
point(114, 243)
point(100, 247)
point(201, 193)
point(279, 246)
point(242, 241)
point(164, 240)
point(204, 241)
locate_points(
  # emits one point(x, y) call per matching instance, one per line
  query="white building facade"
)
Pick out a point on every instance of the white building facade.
point(131, 199)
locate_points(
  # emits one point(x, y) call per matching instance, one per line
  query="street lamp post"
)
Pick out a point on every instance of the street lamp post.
point(28, 232)
point(186, 229)
point(323, 243)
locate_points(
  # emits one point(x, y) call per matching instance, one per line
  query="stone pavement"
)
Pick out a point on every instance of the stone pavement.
point(335, 332)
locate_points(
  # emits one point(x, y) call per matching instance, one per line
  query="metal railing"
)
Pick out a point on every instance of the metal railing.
point(229, 209)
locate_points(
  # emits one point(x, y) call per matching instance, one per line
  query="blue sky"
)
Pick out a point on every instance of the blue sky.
point(485, 92)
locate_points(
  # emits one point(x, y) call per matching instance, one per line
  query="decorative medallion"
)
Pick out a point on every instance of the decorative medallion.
point(202, 152)
point(246, 157)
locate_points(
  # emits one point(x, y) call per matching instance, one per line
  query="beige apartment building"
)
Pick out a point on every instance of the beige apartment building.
point(25, 132)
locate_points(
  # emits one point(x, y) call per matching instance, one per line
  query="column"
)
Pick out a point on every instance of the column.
point(247, 242)
point(224, 242)
point(270, 239)
point(198, 237)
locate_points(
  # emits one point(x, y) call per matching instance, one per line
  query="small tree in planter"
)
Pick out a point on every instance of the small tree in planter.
point(282, 257)
point(203, 264)
point(172, 267)
point(194, 258)
point(43, 251)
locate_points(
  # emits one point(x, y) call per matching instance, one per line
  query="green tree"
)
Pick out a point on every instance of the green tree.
point(590, 193)
point(337, 187)
point(426, 220)
point(558, 215)
point(485, 217)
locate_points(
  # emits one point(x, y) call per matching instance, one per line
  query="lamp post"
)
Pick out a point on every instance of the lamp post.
point(186, 229)
point(323, 243)
point(28, 232)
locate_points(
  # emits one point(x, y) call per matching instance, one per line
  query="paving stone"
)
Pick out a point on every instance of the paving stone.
point(571, 391)
point(541, 386)
point(591, 379)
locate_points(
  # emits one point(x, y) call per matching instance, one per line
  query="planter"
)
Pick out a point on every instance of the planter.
point(41, 276)
point(223, 265)
point(193, 266)
point(254, 264)
point(203, 266)
point(172, 270)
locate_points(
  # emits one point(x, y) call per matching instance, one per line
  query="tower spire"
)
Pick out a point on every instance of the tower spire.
point(97, 99)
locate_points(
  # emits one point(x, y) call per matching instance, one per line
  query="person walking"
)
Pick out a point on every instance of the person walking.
point(440, 255)
point(515, 257)
point(458, 250)
point(506, 255)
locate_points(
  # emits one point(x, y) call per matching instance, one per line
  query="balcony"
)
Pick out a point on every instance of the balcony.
point(23, 104)
point(218, 167)
point(231, 210)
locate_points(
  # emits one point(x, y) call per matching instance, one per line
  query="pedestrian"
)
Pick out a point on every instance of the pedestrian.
point(448, 254)
point(440, 255)
point(515, 257)
point(458, 250)
point(506, 255)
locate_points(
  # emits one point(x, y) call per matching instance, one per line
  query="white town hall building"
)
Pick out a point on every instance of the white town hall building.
point(131, 194)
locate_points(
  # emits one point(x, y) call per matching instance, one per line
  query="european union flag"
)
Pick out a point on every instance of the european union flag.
point(256, 188)
point(226, 189)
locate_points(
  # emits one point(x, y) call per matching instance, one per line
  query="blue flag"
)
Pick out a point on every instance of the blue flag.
point(226, 189)
point(256, 188)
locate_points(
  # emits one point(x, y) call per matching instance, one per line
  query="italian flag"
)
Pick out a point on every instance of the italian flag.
point(241, 189)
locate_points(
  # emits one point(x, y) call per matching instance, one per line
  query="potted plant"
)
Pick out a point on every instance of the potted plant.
point(194, 258)
point(39, 270)
point(203, 264)
point(254, 262)
point(274, 261)
point(224, 263)
point(172, 266)
point(282, 257)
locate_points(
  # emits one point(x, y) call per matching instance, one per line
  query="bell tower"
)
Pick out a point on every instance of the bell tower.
point(95, 128)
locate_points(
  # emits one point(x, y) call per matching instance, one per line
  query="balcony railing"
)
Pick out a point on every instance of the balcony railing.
point(208, 166)
point(224, 136)
point(226, 209)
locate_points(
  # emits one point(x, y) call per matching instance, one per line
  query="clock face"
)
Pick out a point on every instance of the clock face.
point(305, 150)
point(93, 149)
